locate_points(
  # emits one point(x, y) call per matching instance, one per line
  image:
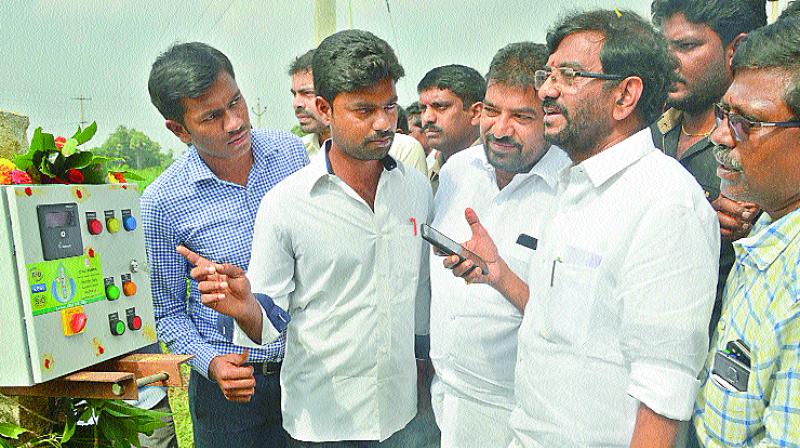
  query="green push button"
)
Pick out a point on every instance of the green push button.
point(112, 292)
point(117, 327)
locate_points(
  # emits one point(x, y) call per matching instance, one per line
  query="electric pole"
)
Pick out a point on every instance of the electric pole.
point(82, 99)
point(258, 111)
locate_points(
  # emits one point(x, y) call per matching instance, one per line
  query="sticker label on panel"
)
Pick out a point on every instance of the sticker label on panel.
point(69, 282)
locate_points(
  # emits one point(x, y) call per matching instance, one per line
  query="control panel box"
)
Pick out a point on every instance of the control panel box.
point(73, 290)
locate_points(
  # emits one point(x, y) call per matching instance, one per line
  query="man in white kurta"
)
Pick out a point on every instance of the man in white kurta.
point(510, 182)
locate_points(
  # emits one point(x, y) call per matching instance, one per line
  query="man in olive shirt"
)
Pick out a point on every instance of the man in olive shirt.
point(703, 35)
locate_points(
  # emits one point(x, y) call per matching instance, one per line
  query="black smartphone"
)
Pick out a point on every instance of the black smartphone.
point(731, 370)
point(450, 247)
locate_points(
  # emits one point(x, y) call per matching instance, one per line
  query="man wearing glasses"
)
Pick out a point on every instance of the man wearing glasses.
point(750, 394)
point(703, 35)
point(618, 296)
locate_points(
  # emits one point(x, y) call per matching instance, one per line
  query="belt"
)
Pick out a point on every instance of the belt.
point(266, 368)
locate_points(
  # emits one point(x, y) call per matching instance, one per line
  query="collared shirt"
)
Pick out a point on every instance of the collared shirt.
point(698, 160)
point(189, 205)
point(438, 162)
point(473, 327)
point(404, 148)
point(350, 278)
point(621, 290)
point(311, 142)
point(762, 309)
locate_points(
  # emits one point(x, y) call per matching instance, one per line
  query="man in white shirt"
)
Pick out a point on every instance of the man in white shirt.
point(404, 147)
point(304, 103)
point(622, 285)
point(337, 247)
point(450, 100)
point(510, 182)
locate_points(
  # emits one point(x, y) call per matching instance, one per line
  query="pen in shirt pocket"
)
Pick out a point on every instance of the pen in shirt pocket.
point(553, 271)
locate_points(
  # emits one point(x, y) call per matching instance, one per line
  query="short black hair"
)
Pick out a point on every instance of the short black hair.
point(402, 120)
point(465, 82)
point(351, 60)
point(413, 108)
point(775, 46)
point(791, 9)
point(302, 63)
point(516, 64)
point(728, 18)
point(632, 47)
point(185, 70)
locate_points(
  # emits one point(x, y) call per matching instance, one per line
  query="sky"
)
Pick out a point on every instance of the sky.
point(52, 51)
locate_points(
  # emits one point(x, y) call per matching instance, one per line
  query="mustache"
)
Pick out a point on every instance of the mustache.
point(552, 103)
point(503, 141)
point(380, 136)
point(723, 155)
point(431, 127)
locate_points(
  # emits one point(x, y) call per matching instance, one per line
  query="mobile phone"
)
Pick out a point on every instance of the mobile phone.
point(450, 247)
point(740, 350)
point(730, 369)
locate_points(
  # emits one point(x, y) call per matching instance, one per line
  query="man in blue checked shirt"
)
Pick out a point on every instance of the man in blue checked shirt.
point(207, 201)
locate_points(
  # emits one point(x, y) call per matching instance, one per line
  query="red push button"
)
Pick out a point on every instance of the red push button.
point(95, 227)
point(134, 323)
point(77, 322)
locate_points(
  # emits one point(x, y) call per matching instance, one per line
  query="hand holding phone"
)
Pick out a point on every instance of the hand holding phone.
point(447, 246)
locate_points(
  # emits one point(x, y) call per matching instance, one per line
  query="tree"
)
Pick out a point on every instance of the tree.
point(135, 148)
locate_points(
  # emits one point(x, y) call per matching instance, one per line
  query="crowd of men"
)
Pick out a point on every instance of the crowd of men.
point(634, 192)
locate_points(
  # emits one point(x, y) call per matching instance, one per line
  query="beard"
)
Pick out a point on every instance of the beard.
point(510, 162)
point(702, 94)
point(363, 151)
point(582, 128)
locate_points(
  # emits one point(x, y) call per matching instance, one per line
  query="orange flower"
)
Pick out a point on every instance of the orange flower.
point(60, 141)
point(6, 167)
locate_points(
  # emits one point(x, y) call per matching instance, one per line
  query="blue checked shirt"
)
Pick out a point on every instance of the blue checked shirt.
point(762, 309)
point(187, 204)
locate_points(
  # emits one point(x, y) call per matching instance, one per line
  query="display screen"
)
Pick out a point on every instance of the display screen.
point(58, 219)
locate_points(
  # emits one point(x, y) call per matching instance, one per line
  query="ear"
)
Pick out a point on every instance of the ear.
point(324, 108)
point(179, 130)
point(626, 96)
point(475, 113)
point(731, 48)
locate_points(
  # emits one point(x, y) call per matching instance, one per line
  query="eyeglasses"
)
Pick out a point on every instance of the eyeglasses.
point(740, 126)
point(565, 76)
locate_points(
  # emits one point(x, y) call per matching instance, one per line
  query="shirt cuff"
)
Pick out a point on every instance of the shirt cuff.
point(203, 355)
point(667, 392)
point(268, 333)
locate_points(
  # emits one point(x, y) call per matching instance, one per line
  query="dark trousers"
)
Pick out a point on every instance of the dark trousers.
point(218, 422)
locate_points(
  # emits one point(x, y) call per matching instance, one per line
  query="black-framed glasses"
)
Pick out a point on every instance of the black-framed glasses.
point(565, 76)
point(740, 126)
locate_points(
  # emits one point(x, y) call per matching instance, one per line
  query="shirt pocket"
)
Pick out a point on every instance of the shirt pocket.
point(570, 304)
point(731, 417)
point(405, 256)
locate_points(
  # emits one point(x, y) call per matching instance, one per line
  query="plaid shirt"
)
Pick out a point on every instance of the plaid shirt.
point(762, 308)
point(189, 205)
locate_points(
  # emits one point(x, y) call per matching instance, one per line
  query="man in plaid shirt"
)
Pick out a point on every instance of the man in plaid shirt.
point(751, 382)
point(207, 201)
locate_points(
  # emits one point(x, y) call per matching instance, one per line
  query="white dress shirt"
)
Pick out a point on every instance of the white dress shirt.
point(473, 327)
point(350, 278)
point(621, 293)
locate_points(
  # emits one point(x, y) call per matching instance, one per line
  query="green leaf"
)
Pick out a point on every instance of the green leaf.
point(10, 430)
point(4, 444)
point(79, 160)
point(23, 161)
point(69, 426)
point(86, 134)
point(48, 142)
point(37, 143)
point(69, 147)
point(130, 175)
point(46, 168)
